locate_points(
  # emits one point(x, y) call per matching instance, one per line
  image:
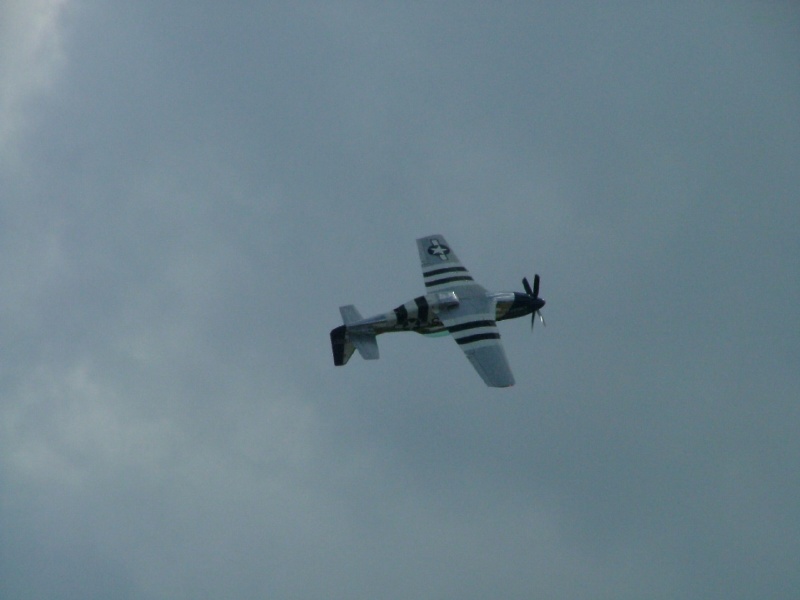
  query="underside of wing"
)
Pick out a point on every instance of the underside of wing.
point(441, 268)
point(473, 327)
point(491, 364)
point(465, 310)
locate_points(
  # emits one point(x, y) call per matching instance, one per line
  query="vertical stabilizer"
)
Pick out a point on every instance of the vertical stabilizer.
point(350, 314)
point(363, 337)
point(342, 347)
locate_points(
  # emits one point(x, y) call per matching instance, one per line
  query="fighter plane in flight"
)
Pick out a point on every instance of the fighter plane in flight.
point(454, 304)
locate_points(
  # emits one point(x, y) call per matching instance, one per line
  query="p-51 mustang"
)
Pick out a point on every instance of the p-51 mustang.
point(454, 304)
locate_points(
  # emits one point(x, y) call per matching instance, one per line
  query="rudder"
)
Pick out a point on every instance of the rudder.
point(342, 347)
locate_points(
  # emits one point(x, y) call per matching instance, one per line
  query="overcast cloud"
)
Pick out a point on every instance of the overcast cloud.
point(190, 190)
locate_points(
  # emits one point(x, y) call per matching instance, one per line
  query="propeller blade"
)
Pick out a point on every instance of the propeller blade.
point(535, 286)
point(538, 312)
point(527, 286)
point(533, 321)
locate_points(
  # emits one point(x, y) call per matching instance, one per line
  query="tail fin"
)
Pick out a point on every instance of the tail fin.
point(344, 339)
point(342, 347)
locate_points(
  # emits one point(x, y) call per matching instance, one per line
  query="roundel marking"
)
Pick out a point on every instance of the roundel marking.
point(437, 249)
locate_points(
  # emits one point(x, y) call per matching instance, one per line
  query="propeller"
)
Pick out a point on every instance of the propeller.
point(534, 295)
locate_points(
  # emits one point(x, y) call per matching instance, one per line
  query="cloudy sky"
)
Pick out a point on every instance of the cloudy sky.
point(190, 190)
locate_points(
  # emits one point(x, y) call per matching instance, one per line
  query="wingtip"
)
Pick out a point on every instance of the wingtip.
point(503, 385)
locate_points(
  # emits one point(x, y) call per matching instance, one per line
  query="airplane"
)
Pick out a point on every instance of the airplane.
point(454, 304)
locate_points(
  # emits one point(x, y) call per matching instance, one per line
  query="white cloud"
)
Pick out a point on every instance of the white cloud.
point(31, 55)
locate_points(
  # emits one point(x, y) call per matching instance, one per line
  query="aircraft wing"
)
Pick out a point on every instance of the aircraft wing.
point(442, 270)
point(472, 321)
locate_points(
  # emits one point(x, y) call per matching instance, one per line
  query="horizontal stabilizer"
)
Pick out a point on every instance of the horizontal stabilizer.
point(366, 343)
point(356, 333)
point(350, 314)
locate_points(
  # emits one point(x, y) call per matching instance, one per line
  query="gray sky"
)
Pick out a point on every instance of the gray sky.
point(189, 192)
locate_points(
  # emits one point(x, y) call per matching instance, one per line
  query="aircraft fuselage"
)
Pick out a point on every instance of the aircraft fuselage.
point(420, 314)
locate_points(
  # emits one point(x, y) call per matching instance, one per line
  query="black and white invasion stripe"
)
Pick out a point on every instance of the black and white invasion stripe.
point(438, 278)
point(413, 314)
point(474, 331)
